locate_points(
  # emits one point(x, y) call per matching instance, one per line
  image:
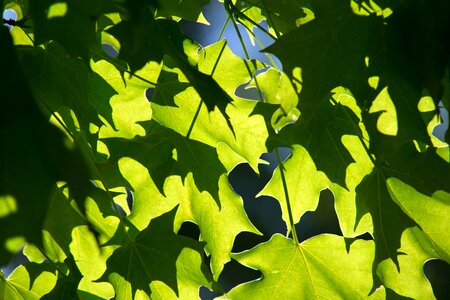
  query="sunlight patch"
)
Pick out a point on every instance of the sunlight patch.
point(57, 10)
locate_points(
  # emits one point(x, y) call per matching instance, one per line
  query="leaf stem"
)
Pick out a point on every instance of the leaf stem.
point(269, 57)
point(358, 134)
point(188, 134)
point(286, 195)
point(222, 31)
point(269, 17)
point(191, 127)
point(247, 56)
point(231, 10)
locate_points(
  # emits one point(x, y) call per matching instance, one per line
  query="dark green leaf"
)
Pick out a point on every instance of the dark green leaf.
point(151, 256)
point(35, 156)
point(71, 23)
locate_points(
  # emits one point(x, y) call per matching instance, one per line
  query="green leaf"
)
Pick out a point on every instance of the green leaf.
point(426, 171)
point(138, 38)
point(250, 132)
point(281, 16)
point(164, 152)
point(322, 137)
point(67, 283)
point(303, 192)
point(148, 201)
point(357, 145)
point(410, 281)
point(184, 9)
point(153, 256)
point(35, 156)
point(73, 87)
point(317, 48)
point(191, 275)
point(388, 220)
point(145, 38)
point(405, 118)
point(320, 267)
point(427, 212)
point(71, 23)
point(128, 104)
point(67, 230)
point(61, 220)
point(27, 282)
point(231, 215)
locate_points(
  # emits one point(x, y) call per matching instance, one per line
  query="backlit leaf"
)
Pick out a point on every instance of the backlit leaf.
point(317, 268)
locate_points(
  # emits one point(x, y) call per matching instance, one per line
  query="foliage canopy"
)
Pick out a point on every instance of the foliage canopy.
point(97, 180)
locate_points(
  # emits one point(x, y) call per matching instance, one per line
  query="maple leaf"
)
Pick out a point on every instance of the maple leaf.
point(184, 9)
point(173, 97)
point(281, 16)
point(70, 23)
point(330, 50)
point(73, 86)
point(164, 152)
point(145, 38)
point(319, 267)
point(321, 137)
point(30, 144)
point(231, 214)
point(151, 256)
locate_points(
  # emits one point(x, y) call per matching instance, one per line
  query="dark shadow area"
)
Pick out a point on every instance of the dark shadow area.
point(438, 273)
point(206, 294)
point(130, 199)
point(264, 212)
point(190, 229)
point(232, 275)
point(365, 236)
point(149, 93)
point(323, 220)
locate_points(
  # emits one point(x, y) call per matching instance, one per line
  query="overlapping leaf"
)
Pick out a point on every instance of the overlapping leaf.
point(322, 137)
point(61, 83)
point(231, 214)
point(250, 132)
point(153, 256)
point(426, 211)
point(281, 17)
point(410, 281)
point(29, 282)
point(70, 23)
point(320, 267)
point(303, 177)
point(185, 9)
point(144, 38)
point(165, 153)
point(375, 153)
point(34, 156)
point(330, 50)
